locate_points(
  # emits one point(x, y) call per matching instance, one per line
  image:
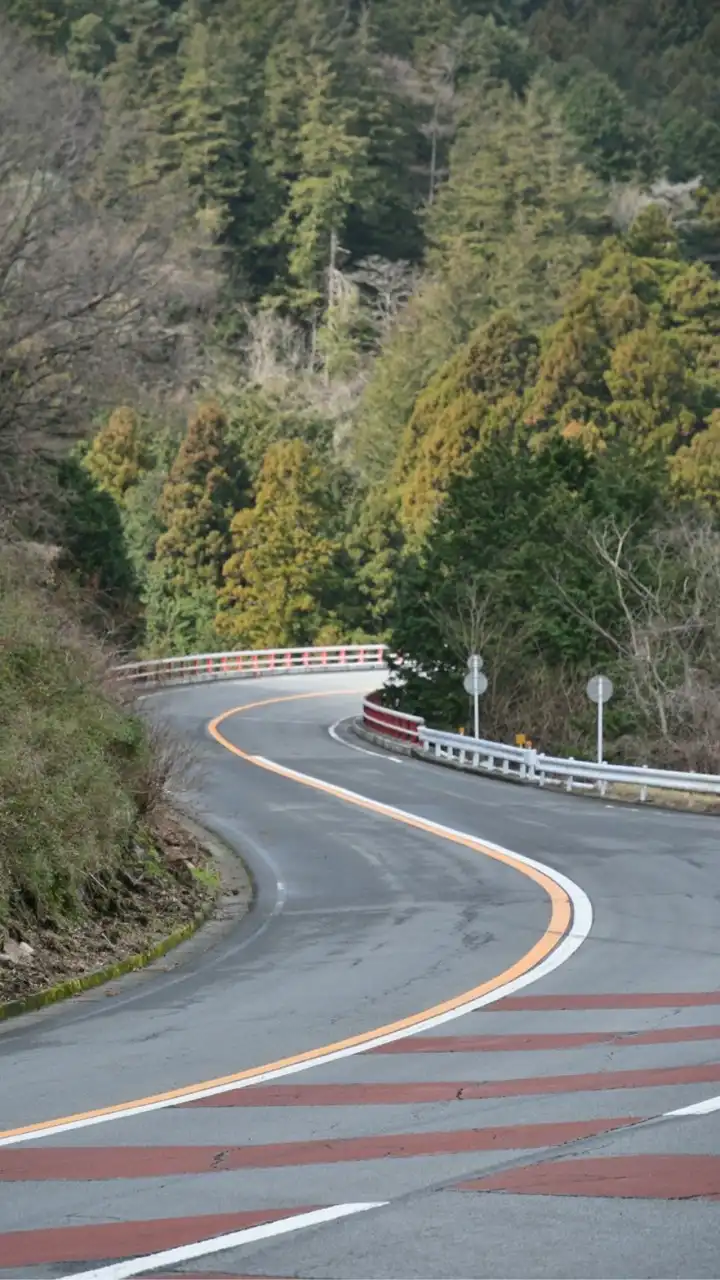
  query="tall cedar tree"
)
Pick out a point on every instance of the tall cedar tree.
point(282, 555)
point(118, 455)
point(636, 354)
point(208, 483)
point(477, 395)
point(517, 220)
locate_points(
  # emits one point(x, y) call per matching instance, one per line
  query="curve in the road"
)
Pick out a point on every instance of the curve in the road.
point(553, 1133)
point(569, 925)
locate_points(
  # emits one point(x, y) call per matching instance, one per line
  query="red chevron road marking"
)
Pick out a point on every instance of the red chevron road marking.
point(636, 1000)
point(357, 1095)
point(661, 1177)
point(531, 1043)
point(80, 1164)
point(108, 1240)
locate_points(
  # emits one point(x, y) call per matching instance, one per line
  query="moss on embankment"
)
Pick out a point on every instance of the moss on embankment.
point(92, 865)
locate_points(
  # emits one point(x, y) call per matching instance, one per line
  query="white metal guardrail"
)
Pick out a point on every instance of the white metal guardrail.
point(528, 765)
point(477, 753)
point(235, 665)
point(522, 763)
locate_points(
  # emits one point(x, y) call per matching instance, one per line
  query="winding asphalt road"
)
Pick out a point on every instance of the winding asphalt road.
point(413, 1058)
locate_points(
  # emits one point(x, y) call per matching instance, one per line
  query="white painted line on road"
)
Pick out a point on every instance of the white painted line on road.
point(218, 1244)
point(568, 942)
point(695, 1109)
point(352, 746)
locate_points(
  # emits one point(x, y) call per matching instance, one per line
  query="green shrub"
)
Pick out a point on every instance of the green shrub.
point(73, 762)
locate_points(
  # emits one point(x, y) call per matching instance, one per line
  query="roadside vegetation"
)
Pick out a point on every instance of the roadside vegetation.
point(94, 868)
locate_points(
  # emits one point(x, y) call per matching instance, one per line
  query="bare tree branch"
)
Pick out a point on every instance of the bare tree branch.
point(93, 300)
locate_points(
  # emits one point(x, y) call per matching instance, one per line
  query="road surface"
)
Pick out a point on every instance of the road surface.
point(244, 1094)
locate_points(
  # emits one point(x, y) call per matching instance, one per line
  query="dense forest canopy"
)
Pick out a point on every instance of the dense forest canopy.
point(326, 320)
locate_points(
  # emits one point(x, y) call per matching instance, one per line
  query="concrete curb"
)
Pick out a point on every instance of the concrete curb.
point(98, 977)
point(379, 740)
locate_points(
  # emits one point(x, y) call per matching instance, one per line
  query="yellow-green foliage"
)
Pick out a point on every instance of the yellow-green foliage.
point(207, 484)
point(695, 468)
point(635, 356)
point(282, 554)
point(637, 351)
point(72, 761)
point(475, 396)
point(117, 457)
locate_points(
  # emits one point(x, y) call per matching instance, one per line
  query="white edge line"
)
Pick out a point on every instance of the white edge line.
point(217, 1244)
point(352, 746)
point(695, 1109)
point(568, 945)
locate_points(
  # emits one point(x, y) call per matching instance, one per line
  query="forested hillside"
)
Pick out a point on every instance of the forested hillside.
point(326, 320)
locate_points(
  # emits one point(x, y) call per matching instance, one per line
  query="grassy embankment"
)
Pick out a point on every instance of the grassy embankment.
point(93, 868)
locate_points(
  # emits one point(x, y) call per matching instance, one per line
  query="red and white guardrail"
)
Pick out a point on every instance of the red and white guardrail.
point(524, 763)
point(389, 723)
point(236, 664)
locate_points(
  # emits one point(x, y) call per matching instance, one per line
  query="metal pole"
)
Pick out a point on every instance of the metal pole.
point(600, 723)
point(476, 713)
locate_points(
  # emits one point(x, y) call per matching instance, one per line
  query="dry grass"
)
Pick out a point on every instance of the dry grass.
point(91, 864)
point(664, 797)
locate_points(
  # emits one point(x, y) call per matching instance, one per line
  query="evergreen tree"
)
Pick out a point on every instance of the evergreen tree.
point(515, 529)
point(695, 467)
point(91, 535)
point(118, 455)
point(331, 159)
point(476, 396)
point(519, 212)
point(207, 485)
point(511, 229)
point(374, 548)
point(611, 138)
point(207, 109)
point(276, 580)
point(636, 352)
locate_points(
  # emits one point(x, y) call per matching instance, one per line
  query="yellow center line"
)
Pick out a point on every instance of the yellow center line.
point(561, 917)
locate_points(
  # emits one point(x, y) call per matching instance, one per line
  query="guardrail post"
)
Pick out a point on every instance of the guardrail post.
point(643, 790)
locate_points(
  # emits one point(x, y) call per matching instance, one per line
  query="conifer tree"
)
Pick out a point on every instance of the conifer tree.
point(515, 223)
point(118, 455)
point(636, 353)
point(519, 212)
point(207, 485)
point(695, 467)
point(277, 578)
point(476, 396)
point(517, 528)
point(331, 171)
